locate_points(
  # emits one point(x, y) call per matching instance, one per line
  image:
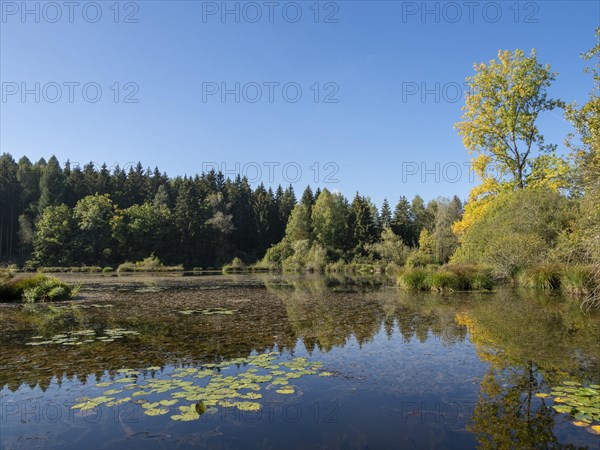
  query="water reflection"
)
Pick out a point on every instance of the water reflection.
point(389, 349)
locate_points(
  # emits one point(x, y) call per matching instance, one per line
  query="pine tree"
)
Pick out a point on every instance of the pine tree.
point(244, 235)
point(362, 225)
point(29, 181)
point(385, 219)
point(403, 222)
point(190, 221)
point(307, 197)
point(52, 185)
point(10, 199)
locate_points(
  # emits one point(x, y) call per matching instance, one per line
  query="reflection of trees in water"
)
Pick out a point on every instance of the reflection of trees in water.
point(507, 415)
point(167, 336)
point(324, 316)
point(524, 326)
point(322, 313)
point(532, 342)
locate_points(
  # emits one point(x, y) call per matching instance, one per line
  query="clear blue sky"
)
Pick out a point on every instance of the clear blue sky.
point(367, 53)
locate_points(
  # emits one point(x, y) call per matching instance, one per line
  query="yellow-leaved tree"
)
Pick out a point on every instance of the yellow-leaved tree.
point(499, 129)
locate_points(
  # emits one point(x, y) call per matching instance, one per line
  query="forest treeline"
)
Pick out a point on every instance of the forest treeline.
point(535, 211)
point(58, 215)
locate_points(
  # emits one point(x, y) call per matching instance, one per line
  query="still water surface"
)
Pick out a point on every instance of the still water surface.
point(175, 362)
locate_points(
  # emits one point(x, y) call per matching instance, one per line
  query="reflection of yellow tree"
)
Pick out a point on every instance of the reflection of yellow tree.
point(527, 341)
point(525, 326)
point(506, 417)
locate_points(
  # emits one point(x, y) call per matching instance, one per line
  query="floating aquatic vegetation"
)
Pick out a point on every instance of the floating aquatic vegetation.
point(209, 388)
point(188, 413)
point(113, 391)
point(83, 337)
point(156, 411)
point(208, 311)
point(93, 305)
point(582, 403)
point(286, 390)
point(149, 289)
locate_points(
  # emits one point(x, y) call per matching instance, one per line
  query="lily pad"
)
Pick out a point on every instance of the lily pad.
point(286, 390)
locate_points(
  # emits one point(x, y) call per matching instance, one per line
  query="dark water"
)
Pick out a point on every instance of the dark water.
point(373, 367)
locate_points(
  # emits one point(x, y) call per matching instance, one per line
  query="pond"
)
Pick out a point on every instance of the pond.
point(298, 362)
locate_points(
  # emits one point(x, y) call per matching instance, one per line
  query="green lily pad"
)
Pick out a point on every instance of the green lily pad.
point(113, 391)
point(156, 411)
point(286, 390)
point(126, 380)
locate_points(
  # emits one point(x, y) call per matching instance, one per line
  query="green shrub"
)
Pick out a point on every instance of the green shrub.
point(392, 270)
point(543, 277)
point(298, 258)
point(53, 269)
point(126, 267)
point(85, 269)
point(236, 265)
point(414, 280)
point(577, 280)
point(107, 269)
point(518, 229)
point(8, 272)
point(276, 254)
point(482, 282)
point(419, 259)
point(150, 264)
point(452, 277)
point(444, 280)
point(472, 276)
point(36, 288)
point(336, 267)
point(316, 259)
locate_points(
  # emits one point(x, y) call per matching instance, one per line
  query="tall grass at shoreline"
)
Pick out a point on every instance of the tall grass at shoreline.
point(448, 278)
